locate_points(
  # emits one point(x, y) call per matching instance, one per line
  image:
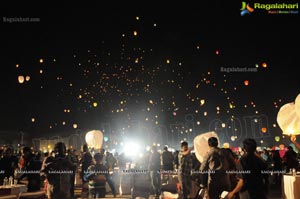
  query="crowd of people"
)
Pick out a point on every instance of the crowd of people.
point(243, 174)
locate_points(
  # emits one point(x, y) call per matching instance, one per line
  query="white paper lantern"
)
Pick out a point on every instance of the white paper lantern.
point(288, 120)
point(201, 145)
point(297, 105)
point(21, 79)
point(94, 139)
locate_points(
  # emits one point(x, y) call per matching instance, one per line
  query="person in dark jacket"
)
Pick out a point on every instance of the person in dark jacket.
point(277, 166)
point(214, 163)
point(167, 159)
point(253, 181)
point(9, 162)
point(97, 175)
point(154, 168)
point(85, 161)
point(32, 170)
point(290, 160)
point(59, 171)
point(185, 167)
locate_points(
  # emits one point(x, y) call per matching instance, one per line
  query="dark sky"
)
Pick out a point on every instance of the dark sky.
point(134, 81)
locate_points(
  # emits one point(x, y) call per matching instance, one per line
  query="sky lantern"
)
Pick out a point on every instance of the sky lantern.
point(135, 33)
point(41, 61)
point(21, 79)
point(288, 119)
point(27, 78)
point(75, 126)
point(297, 105)
point(201, 145)
point(202, 102)
point(95, 104)
point(94, 139)
point(246, 82)
point(264, 65)
point(263, 129)
point(277, 138)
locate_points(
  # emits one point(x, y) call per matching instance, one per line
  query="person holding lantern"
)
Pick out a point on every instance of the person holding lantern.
point(293, 139)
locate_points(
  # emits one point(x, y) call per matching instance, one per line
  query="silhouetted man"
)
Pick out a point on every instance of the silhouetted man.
point(59, 171)
point(33, 166)
point(86, 161)
point(154, 168)
point(185, 166)
point(214, 164)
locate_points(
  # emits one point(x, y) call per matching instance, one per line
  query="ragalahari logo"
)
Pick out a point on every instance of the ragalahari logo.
point(246, 9)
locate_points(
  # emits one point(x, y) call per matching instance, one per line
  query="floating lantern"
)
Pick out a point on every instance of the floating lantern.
point(288, 119)
point(21, 79)
point(263, 129)
point(94, 139)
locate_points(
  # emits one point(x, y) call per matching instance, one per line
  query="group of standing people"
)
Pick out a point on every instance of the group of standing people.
point(243, 177)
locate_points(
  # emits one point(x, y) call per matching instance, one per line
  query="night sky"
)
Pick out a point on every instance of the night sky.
point(135, 70)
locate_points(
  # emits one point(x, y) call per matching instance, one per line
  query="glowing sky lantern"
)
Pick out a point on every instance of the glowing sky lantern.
point(21, 79)
point(135, 33)
point(94, 139)
point(246, 82)
point(75, 126)
point(27, 78)
point(277, 138)
point(41, 61)
point(202, 102)
point(297, 105)
point(264, 65)
point(264, 129)
point(201, 146)
point(288, 120)
point(95, 104)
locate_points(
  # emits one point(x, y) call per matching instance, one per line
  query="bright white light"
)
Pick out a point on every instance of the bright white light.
point(131, 149)
point(148, 148)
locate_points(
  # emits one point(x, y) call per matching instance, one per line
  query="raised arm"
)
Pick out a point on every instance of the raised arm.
point(293, 139)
